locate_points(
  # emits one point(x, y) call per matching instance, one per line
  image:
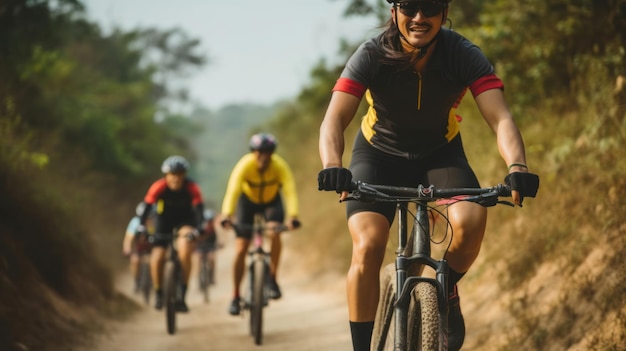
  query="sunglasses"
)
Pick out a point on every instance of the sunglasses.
point(428, 8)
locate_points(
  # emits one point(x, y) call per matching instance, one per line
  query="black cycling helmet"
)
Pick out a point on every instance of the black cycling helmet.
point(140, 208)
point(263, 142)
point(175, 164)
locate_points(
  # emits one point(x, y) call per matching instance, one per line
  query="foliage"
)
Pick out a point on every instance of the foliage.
point(79, 139)
point(98, 93)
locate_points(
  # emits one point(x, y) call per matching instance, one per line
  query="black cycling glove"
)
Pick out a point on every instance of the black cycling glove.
point(295, 223)
point(526, 184)
point(334, 178)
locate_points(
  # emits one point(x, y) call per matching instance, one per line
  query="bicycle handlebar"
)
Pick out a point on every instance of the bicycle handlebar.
point(276, 228)
point(489, 196)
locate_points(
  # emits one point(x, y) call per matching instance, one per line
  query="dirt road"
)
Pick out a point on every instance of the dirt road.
point(312, 315)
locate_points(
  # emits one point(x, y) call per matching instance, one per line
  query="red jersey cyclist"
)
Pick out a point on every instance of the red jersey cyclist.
point(178, 205)
point(255, 186)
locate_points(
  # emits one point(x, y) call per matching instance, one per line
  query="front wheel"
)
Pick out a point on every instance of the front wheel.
point(257, 299)
point(383, 335)
point(169, 297)
point(423, 318)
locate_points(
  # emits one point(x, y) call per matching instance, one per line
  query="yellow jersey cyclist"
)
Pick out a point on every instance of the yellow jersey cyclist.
point(178, 203)
point(255, 186)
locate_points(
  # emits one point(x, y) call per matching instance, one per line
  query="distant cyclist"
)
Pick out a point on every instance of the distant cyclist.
point(207, 243)
point(135, 245)
point(178, 204)
point(255, 186)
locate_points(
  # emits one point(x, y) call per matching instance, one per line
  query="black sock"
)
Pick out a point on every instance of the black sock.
point(183, 291)
point(453, 278)
point(361, 335)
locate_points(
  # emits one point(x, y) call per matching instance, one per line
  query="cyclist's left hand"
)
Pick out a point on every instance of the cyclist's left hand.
point(338, 179)
point(193, 234)
point(522, 184)
point(295, 223)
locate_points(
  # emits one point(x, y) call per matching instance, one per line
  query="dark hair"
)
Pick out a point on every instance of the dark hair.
point(390, 49)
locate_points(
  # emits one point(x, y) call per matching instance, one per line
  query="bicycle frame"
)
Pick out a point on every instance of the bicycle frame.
point(416, 250)
point(172, 275)
point(259, 272)
point(258, 253)
point(421, 254)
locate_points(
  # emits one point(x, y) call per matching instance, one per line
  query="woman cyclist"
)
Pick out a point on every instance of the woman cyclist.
point(413, 75)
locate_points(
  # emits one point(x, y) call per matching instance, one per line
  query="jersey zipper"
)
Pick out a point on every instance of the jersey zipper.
point(419, 91)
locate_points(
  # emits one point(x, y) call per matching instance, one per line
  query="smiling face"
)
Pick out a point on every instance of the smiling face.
point(263, 159)
point(419, 21)
point(175, 181)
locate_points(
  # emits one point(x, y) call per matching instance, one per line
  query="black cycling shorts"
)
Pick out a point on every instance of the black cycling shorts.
point(246, 209)
point(445, 168)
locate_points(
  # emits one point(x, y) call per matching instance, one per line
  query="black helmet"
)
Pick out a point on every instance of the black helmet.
point(263, 142)
point(140, 208)
point(175, 164)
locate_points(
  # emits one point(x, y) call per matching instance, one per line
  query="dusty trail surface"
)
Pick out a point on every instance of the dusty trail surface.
point(312, 315)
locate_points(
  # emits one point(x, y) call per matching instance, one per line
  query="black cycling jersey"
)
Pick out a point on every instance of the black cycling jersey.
point(413, 114)
point(174, 208)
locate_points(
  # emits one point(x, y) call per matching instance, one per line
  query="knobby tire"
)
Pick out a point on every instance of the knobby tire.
point(423, 315)
point(382, 338)
point(423, 318)
point(169, 283)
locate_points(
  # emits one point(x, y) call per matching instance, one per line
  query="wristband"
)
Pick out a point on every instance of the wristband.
point(517, 165)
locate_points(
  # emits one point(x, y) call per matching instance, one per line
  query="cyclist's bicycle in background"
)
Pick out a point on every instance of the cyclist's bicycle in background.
point(144, 282)
point(206, 265)
point(413, 310)
point(257, 292)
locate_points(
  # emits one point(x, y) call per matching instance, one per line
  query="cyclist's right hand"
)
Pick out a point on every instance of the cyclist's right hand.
point(338, 179)
point(226, 223)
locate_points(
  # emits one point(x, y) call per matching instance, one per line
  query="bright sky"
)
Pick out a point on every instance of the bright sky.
point(260, 50)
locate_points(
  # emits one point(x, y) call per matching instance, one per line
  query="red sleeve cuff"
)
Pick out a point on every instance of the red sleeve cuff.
point(486, 83)
point(350, 86)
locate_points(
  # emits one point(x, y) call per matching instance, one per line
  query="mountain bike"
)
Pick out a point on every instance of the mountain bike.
point(172, 279)
point(257, 296)
point(412, 312)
